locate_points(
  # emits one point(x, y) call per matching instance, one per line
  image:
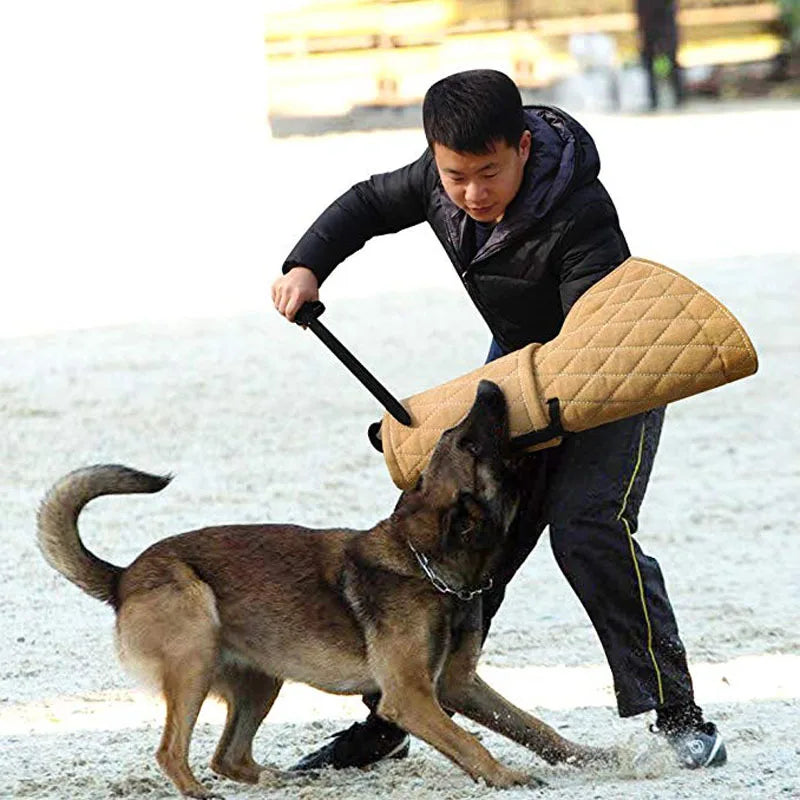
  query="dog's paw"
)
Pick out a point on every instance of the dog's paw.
point(505, 778)
point(531, 781)
point(244, 772)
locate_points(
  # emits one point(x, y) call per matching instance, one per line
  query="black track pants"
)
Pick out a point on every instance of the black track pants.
point(589, 491)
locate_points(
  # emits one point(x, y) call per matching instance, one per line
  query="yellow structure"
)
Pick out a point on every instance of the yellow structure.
point(327, 56)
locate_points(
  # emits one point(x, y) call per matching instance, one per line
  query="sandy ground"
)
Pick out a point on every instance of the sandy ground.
point(260, 423)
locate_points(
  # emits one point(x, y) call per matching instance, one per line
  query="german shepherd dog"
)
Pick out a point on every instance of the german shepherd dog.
point(235, 610)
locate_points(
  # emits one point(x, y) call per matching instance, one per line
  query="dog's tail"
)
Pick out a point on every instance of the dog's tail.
point(57, 523)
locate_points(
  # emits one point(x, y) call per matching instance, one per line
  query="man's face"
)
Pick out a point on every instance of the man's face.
point(483, 185)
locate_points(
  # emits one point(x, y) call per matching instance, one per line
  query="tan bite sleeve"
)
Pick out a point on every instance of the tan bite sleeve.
point(641, 337)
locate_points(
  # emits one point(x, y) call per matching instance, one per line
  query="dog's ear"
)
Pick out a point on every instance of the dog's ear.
point(462, 525)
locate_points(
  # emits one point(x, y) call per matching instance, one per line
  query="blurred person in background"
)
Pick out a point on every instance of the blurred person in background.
point(512, 193)
point(658, 44)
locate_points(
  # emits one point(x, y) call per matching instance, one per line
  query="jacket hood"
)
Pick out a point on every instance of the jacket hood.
point(563, 158)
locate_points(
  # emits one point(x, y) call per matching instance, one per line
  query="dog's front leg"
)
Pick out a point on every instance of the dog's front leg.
point(401, 664)
point(415, 709)
point(474, 698)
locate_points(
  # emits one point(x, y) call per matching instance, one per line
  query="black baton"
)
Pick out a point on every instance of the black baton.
point(308, 317)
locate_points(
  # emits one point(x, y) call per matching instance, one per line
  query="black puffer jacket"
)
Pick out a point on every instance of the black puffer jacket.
point(558, 236)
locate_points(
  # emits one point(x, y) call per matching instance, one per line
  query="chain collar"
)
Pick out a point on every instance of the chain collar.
point(440, 583)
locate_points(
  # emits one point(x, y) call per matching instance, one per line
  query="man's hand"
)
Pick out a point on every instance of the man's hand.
point(290, 291)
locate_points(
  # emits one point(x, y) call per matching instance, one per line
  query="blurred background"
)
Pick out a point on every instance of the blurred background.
point(343, 64)
point(159, 159)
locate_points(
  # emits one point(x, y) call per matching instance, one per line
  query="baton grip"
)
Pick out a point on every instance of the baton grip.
point(308, 312)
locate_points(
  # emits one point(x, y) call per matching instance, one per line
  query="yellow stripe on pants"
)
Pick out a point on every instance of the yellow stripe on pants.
point(627, 525)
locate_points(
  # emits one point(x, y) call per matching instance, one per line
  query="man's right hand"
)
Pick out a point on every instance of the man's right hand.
point(290, 291)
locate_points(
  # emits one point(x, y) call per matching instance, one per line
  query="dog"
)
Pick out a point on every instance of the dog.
point(235, 610)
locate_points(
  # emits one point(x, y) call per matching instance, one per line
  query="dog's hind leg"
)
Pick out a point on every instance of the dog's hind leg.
point(249, 695)
point(184, 690)
point(170, 633)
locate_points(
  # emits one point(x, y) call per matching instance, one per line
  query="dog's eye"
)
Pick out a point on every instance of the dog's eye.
point(471, 446)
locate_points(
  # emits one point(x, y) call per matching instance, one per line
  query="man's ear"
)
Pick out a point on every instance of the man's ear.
point(525, 145)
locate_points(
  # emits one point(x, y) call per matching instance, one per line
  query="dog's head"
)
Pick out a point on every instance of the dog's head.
point(468, 478)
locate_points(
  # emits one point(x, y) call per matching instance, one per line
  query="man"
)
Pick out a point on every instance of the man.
point(658, 39)
point(512, 195)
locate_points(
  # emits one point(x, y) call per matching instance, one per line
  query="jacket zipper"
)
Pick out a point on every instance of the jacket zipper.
point(466, 280)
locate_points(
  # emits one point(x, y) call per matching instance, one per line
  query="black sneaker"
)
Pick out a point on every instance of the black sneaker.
point(361, 744)
point(699, 747)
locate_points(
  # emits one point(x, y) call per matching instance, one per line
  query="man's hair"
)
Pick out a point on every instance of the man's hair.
point(469, 111)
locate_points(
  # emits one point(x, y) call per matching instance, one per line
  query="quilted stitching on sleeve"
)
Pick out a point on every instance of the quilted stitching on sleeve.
point(641, 337)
